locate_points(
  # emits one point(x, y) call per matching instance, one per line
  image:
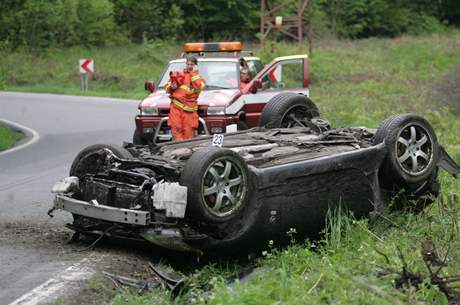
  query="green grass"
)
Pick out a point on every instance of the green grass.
point(119, 72)
point(361, 83)
point(354, 83)
point(8, 138)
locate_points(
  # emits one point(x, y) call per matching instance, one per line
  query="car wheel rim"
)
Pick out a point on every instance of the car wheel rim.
point(224, 187)
point(414, 149)
point(296, 116)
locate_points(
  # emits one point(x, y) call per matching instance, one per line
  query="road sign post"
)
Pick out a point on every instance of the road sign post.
point(84, 82)
point(86, 66)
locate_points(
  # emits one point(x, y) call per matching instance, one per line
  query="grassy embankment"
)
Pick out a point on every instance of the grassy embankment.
point(354, 83)
point(7, 138)
point(119, 72)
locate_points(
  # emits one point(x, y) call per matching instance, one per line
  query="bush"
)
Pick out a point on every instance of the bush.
point(384, 18)
point(44, 23)
point(421, 24)
point(149, 19)
point(39, 24)
point(96, 24)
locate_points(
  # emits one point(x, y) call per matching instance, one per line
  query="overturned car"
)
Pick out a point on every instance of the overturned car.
point(193, 196)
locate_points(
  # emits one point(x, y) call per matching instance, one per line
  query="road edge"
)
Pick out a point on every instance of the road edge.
point(50, 291)
point(30, 136)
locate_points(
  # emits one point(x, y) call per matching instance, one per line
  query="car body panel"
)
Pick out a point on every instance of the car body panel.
point(295, 177)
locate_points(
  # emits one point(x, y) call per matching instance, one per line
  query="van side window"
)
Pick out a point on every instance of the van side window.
point(287, 74)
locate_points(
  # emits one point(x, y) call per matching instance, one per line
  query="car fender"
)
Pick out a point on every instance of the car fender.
point(447, 163)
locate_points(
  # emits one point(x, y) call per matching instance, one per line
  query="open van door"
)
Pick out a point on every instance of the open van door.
point(283, 74)
point(290, 73)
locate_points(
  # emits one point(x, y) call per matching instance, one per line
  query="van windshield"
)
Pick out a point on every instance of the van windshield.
point(217, 74)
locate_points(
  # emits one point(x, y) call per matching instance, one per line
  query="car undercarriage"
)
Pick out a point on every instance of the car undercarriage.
point(261, 183)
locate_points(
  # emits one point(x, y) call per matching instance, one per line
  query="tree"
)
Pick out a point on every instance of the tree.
point(450, 11)
point(150, 19)
point(207, 20)
point(38, 24)
point(96, 23)
point(389, 18)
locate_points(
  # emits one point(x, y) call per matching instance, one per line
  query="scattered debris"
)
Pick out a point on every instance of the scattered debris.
point(407, 278)
point(162, 279)
point(172, 281)
point(377, 291)
point(132, 282)
point(246, 274)
point(94, 243)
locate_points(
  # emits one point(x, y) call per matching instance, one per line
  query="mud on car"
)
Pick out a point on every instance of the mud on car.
point(193, 196)
point(222, 106)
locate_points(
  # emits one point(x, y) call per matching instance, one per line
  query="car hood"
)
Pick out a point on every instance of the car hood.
point(161, 99)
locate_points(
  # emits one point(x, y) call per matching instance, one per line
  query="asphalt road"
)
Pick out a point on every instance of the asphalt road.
point(65, 125)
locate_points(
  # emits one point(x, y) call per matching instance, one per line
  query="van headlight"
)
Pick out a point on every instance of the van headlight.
point(213, 110)
point(148, 110)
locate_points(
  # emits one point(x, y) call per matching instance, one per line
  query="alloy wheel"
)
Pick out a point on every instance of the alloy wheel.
point(224, 187)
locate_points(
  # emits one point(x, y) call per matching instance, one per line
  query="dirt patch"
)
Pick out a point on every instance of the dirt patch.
point(121, 258)
point(35, 235)
point(100, 289)
point(447, 91)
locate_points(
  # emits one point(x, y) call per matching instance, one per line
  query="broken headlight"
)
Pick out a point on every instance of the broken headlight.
point(66, 185)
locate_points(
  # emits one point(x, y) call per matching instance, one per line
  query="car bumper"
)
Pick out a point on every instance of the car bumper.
point(102, 212)
point(170, 237)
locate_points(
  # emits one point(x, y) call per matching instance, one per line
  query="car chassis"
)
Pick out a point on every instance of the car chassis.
point(191, 196)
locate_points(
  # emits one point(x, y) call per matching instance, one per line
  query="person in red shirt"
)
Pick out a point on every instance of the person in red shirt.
point(184, 87)
point(245, 77)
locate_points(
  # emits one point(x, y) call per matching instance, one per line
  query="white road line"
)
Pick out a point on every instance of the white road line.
point(33, 135)
point(58, 286)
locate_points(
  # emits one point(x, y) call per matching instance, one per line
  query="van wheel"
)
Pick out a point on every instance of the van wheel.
point(241, 125)
point(138, 139)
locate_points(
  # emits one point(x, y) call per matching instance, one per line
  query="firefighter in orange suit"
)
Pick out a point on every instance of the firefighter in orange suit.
point(184, 87)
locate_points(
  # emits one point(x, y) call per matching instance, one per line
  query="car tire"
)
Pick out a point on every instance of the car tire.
point(138, 139)
point(81, 165)
point(241, 125)
point(287, 110)
point(379, 136)
point(413, 151)
point(218, 185)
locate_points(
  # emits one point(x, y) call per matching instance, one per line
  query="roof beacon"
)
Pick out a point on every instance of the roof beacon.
point(195, 47)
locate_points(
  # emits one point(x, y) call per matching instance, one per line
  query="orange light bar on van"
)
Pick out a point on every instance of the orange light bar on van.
point(195, 47)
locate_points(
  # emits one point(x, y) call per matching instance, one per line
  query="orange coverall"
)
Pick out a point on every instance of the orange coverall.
point(183, 116)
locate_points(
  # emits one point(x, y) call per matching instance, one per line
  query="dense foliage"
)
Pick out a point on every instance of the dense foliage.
point(44, 23)
point(40, 23)
point(365, 18)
